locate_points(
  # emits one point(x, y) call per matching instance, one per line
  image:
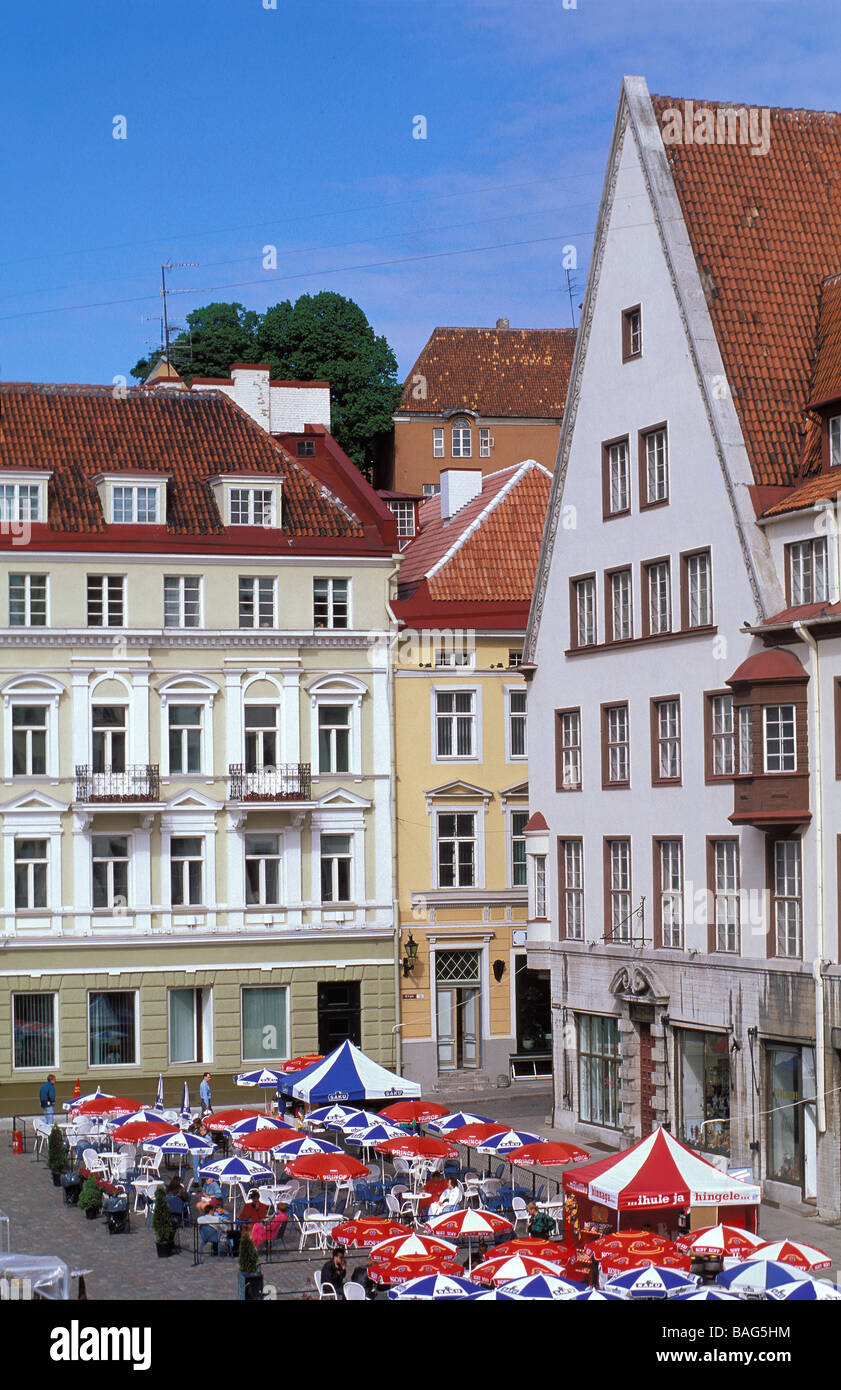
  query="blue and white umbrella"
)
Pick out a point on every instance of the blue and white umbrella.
point(806, 1291)
point(654, 1281)
point(435, 1286)
point(232, 1171)
point(138, 1118)
point(159, 1095)
point(758, 1276)
point(707, 1295)
point(373, 1134)
point(509, 1139)
point(595, 1296)
point(333, 1116)
point(98, 1094)
point(304, 1144)
point(180, 1143)
point(347, 1074)
point(257, 1122)
point(491, 1295)
point(534, 1286)
point(457, 1121)
point(263, 1076)
point(186, 1115)
point(361, 1119)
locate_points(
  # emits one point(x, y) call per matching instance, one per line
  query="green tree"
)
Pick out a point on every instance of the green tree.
point(217, 335)
point(326, 337)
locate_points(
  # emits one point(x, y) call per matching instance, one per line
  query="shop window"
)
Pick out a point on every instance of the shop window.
point(598, 1070)
point(534, 1009)
point(704, 1089)
point(785, 1122)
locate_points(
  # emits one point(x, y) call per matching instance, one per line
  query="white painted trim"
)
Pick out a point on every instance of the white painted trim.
point(474, 526)
point(215, 966)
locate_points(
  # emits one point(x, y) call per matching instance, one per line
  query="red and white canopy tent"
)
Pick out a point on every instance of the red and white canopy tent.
point(661, 1176)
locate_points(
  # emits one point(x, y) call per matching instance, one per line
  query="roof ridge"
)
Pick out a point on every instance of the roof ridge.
point(755, 105)
point(473, 527)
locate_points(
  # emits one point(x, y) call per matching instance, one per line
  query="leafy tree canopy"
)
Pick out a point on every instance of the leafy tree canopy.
point(321, 337)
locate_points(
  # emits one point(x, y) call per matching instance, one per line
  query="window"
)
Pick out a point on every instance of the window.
point(404, 513)
point(264, 1025)
point(540, 886)
point(696, 599)
point(262, 870)
point(334, 738)
point(659, 597)
point(616, 767)
point(720, 740)
point(584, 611)
point(835, 441)
point(455, 724)
point(112, 1028)
point(745, 740)
point(437, 446)
point(791, 1078)
point(571, 889)
point(632, 333)
point(618, 873)
point(182, 600)
point(134, 504)
point(568, 750)
point(704, 1090)
point(261, 737)
point(517, 723)
point(27, 600)
point(110, 860)
point(20, 502)
point(778, 738)
point(456, 849)
point(108, 738)
point(30, 874)
point(665, 730)
point(184, 739)
point(339, 1015)
point(654, 467)
point(331, 607)
point(669, 905)
point(305, 448)
point(252, 506)
point(186, 861)
point(515, 657)
point(726, 934)
point(518, 853)
point(29, 740)
point(256, 602)
point(461, 438)
point(485, 443)
point(457, 653)
point(34, 1030)
point(788, 900)
point(616, 466)
point(335, 868)
point(433, 489)
point(807, 572)
point(598, 1070)
point(106, 600)
point(620, 615)
point(189, 1025)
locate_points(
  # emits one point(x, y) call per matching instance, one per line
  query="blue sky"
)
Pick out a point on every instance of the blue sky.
point(292, 127)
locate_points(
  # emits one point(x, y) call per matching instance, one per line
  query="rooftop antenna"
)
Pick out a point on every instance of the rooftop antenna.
point(170, 265)
point(570, 287)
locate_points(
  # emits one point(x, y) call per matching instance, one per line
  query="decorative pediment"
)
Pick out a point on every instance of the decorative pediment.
point(187, 683)
point(336, 683)
point(638, 984)
point(518, 792)
point(32, 684)
point(459, 789)
point(342, 799)
point(193, 800)
point(35, 802)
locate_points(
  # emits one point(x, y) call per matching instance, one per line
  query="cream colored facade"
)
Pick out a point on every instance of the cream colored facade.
point(153, 805)
point(459, 1005)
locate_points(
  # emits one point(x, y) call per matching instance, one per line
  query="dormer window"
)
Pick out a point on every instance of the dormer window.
point(134, 504)
point(251, 506)
point(807, 572)
point(835, 441)
point(305, 448)
point(23, 501)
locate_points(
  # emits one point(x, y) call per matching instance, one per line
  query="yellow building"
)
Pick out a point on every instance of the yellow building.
point(470, 1009)
point(196, 812)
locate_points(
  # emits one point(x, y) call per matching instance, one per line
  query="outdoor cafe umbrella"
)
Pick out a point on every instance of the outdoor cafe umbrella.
point(106, 1105)
point(76, 1101)
point(363, 1232)
point(757, 1277)
point(545, 1153)
point(476, 1132)
point(417, 1146)
point(223, 1119)
point(509, 1139)
point(595, 1296)
point(550, 1250)
point(792, 1252)
point(159, 1095)
point(457, 1120)
point(300, 1145)
point(653, 1281)
point(399, 1271)
point(326, 1167)
point(152, 1117)
point(469, 1223)
point(266, 1077)
point(263, 1141)
point(138, 1131)
point(372, 1135)
point(501, 1269)
point(411, 1247)
point(232, 1171)
point(714, 1242)
point(622, 1250)
point(186, 1115)
point(334, 1116)
point(708, 1295)
point(301, 1063)
point(434, 1286)
point(805, 1291)
point(179, 1142)
point(543, 1286)
point(251, 1123)
point(414, 1111)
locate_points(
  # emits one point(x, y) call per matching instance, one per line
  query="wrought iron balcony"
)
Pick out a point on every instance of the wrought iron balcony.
point(286, 782)
point(141, 782)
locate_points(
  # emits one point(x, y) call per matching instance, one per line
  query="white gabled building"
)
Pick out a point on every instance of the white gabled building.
point(684, 649)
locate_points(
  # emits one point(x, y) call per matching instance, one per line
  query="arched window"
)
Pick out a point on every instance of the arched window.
point(462, 438)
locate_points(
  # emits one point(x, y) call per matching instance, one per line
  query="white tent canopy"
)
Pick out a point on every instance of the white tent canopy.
point(347, 1075)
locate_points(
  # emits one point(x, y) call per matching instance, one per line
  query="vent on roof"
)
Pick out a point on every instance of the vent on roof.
point(503, 323)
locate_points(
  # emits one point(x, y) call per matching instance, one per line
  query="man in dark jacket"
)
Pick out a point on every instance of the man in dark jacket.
point(47, 1099)
point(335, 1270)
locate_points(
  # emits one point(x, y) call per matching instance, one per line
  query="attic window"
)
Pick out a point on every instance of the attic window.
point(835, 441)
point(133, 503)
point(306, 448)
point(246, 501)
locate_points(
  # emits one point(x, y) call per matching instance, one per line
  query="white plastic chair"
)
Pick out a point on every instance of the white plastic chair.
point(392, 1206)
point(354, 1293)
point(310, 1227)
point(93, 1163)
point(150, 1164)
point(520, 1212)
point(42, 1134)
point(325, 1290)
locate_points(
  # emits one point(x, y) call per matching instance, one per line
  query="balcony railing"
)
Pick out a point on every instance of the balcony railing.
point(141, 782)
point(286, 782)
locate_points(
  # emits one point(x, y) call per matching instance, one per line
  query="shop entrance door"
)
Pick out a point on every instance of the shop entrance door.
point(458, 1009)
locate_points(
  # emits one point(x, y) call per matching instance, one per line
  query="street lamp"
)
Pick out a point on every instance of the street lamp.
point(410, 956)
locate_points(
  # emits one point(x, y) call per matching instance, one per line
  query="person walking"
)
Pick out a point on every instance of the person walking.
point(204, 1093)
point(47, 1099)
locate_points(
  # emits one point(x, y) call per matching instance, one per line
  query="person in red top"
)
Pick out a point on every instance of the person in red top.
point(254, 1210)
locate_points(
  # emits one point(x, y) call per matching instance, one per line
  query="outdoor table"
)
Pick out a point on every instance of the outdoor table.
point(326, 1221)
point(146, 1188)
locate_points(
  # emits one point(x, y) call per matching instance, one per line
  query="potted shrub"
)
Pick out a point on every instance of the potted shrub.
point(90, 1198)
point(163, 1225)
point(250, 1275)
point(56, 1155)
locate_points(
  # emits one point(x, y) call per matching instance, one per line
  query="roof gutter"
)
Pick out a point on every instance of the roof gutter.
point(818, 963)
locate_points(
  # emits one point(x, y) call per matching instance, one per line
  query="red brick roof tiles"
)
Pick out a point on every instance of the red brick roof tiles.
point(522, 373)
point(826, 381)
point(81, 431)
point(765, 230)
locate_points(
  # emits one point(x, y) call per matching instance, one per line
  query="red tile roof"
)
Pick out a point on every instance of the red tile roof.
point(816, 489)
point(488, 551)
point(81, 431)
point(826, 381)
point(765, 230)
point(519, 372)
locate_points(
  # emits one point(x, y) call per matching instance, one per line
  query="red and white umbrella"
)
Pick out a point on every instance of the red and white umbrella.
point(261, 1121)
point(411, 1247)
point(546, 1153)
point(223, 1119)
point(301, 1063)
point(141, 1130)
point(792, 1252)
point(262, 1141)
point(366, 1231)
point(106, 1105)
point(550, 1250)
point(469, 1222)
point(714, 1242)
point(399, 1271)
point(417, 1147)
point(473, 1134)
point(414, 1111)
point(500, 1268)
point(326, 1167)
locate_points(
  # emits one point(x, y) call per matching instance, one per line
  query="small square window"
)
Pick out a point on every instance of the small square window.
point(305, 448)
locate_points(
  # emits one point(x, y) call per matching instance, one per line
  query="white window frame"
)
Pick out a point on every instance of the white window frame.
point(262, 512)
point(669, 738)
point(794, 923)
point(510, 812)
point(186, 689)
point(460, 428)
point(277, 728)
point(181, 580)
point(438, 442)
point(41, 823)
point(119, 583)
point(726, 856)
point(130, 496)
point(570, 719)
point(620, 895)
point(586, 626)
point(337, 690)
point(344, 821)
point(618, 478)
point(782, 738)
point(574, 896)
point(98, 1066)
point(27, 577)
point(618, 744)
point(477, 839)
point(113, 908)
point(485, 442)
point(656, 466)
point(835, 441)
point(29, 774)
point(331, 581)
point(55, 1062)
point(285, 1045)
point(204, 1024)
point(258, 584)
point(808, 572)
point(404, 515)
point(32, 690)
point(334, 857)
point(670, 862)
point(540, 887)
point(659, 597)
point(31, 907)
point(189, 821)
point(510, 715)
point(22, 499)
point(187, 907)
point(699, 589)
point(262, 904)
point(621, 606)
point(722, 714)
point(476, 715)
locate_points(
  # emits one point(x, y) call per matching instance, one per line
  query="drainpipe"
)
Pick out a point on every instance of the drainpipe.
point(817, 964)
point(397, 1031)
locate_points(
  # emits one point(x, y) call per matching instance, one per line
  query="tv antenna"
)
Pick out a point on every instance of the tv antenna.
point(571, 285)
point(170, 265)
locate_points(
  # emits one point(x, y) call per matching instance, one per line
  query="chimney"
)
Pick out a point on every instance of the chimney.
point(503, 323)
point(458, 487)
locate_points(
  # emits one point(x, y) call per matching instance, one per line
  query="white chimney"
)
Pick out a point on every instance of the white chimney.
point(503, 323)
point(251, 390)
point(458, 487)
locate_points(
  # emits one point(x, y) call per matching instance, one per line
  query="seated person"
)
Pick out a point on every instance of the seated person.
point(274, 1228)
point(541, 1225)
point(254, 1210)
point(176, 1188)
point(335, 1270)
point(211, 1230)
point(449, 1200)
point(210, 1197)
